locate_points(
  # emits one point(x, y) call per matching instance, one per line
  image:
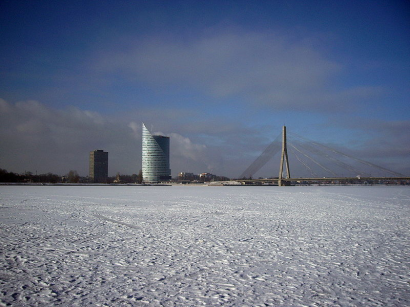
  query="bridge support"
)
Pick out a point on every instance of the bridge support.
point(284, 159)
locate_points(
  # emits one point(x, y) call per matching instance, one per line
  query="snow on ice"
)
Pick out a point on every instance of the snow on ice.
point(204, 246)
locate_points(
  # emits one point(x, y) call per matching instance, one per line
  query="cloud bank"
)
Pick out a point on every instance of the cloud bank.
point(267, 68)
point(41, 139)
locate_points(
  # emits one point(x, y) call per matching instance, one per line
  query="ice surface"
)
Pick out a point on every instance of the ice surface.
point(197, 246)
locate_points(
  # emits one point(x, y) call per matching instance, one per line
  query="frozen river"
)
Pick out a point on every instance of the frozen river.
point(204, 246)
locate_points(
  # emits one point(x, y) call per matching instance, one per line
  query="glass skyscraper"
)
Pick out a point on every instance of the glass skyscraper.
point(155, 157)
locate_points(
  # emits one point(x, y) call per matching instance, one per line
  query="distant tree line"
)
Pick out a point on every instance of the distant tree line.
point(29, 177)
point(134, 178)
point(6, 176)
point(71, 177)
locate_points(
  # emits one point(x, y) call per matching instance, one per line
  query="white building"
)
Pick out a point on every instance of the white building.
point(155, 157)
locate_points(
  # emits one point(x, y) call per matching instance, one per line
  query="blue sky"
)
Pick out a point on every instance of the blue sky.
point(219, 77)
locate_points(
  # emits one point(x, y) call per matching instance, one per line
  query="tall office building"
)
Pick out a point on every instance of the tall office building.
point(155, 157)
point(98, 166)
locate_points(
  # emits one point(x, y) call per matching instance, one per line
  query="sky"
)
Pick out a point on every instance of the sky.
point(220, 78)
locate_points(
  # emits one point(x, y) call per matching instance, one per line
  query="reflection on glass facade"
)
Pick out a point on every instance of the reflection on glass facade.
point(155, 157)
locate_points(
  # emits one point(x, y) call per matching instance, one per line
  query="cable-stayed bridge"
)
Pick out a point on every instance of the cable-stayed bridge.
point(313, 161)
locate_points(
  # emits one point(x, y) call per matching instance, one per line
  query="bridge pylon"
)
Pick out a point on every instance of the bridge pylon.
point(284, 159)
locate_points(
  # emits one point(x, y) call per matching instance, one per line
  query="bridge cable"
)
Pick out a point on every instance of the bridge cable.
point(351, 157)
point(313, 160)
point(264, 157)
point(304, 164)
point(335, 160)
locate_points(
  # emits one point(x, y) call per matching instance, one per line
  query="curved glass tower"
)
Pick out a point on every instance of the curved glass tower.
point(155, 157)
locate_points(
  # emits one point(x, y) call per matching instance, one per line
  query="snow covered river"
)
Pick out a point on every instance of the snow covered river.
point(204, 246)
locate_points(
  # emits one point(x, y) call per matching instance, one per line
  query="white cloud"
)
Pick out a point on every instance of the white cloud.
point(187, 156)
point(267, 68)
point(184, 147)
point(135, 129)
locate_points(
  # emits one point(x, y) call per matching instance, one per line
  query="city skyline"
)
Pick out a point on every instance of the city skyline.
point(220, 79)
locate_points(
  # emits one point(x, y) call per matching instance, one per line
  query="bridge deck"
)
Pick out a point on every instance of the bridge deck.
point(324, 179)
